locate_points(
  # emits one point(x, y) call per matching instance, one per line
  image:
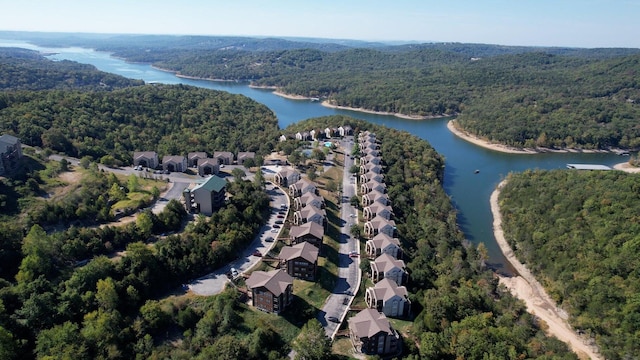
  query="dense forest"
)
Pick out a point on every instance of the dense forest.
point(519, 96)
point(22, 69)
point(579, 232)
point(461, 311)
point(522, 100)
point(110, 125)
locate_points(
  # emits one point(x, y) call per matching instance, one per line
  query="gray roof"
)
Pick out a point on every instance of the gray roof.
point(385, 289)
point(304, 250)
point(368, 323)
point(276, 281)
point(312, 228)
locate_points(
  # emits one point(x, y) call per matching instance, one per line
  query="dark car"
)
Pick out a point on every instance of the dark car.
point(345, 301)
point(279, 222)
point(269, 239)
point(276, 226)
point(257, 253)
point(280, 216)
point(333, 319)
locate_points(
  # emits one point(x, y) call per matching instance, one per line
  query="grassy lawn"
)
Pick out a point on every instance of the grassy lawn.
point(342, 346)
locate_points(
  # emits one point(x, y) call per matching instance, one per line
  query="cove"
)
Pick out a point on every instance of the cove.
point(469, 191)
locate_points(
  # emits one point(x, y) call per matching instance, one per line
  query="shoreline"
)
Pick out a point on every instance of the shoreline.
point(626, 167)
point(525, 287)
point(508, 149)
point(326, 103)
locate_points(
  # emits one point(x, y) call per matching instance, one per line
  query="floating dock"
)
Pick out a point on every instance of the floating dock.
point(588, 167)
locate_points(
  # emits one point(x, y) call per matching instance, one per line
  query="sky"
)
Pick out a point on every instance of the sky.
point(566, 23)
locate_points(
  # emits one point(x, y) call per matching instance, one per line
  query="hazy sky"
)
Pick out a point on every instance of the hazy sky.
point(584, 23)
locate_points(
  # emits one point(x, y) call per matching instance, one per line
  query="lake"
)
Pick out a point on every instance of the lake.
point(468, 190)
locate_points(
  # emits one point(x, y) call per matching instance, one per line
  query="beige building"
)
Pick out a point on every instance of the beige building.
point(389, 298)
point(386, 266)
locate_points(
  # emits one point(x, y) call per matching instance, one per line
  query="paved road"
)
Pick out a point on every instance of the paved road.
point(349, 274)
point(215, 282)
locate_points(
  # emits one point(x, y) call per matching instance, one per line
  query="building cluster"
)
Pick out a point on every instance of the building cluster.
point(10, 153)
point(198, 160)
point(320, 134)
point(208, 196)
point(370, 330)
point(300, 258)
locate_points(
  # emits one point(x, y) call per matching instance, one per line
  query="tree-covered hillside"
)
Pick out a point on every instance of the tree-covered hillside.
point(579, 232)
point(563, 99)
point(22, 69)
point(169, 119)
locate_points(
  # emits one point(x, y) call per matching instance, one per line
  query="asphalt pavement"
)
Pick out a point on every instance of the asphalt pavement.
point(349, 274)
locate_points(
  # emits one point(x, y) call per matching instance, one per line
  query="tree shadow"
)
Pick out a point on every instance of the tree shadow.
point(299, 312)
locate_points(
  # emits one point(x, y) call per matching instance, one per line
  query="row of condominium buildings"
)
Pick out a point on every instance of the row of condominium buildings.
point(370, 329)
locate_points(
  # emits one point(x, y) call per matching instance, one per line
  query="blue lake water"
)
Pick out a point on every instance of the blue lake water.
point(469, 191)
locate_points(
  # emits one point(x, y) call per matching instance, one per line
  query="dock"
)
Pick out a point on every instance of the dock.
point(588, 167)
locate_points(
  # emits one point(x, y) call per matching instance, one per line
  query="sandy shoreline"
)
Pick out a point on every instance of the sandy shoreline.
point(508, 149)
point(527, 288)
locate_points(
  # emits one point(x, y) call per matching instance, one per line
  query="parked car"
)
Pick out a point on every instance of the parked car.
point(345, 301)
point(234, 272)
point(276, 226)
point(353, 254)
point(269, 239)
point(280, 216)
point(279, 222)
point(257, 253)
point(333, 319)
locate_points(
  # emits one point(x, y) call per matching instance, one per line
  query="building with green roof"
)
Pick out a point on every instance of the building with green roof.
point(209, 195)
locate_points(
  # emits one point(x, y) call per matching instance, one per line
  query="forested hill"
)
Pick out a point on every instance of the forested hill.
point(531, 99)
point(579, 232)
point(169, 119)
point(22, 69)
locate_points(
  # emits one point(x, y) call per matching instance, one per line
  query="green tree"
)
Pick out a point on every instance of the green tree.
point(311, 173)
point(144, 223)
point(61, 342)
point(312, 343)
point(106, 294)
point(238, 174)
point(8, 345)
point(133, 184)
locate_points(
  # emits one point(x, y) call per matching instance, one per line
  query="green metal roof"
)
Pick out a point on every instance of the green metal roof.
point(213, 184)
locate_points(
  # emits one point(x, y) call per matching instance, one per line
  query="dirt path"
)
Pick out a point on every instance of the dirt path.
point(538, 302)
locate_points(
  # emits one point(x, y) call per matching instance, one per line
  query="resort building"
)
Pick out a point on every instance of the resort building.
point(174, 163)
point(148, 159)
point(389, 298)
point(372, 334)
point(300, 260)
point(383, 244)
point(271, 291)
point(386, 266)
point(286, 176)
point(208, 196)
point(310, 232)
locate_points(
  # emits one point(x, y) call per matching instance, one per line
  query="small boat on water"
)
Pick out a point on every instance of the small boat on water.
point(477, 171)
